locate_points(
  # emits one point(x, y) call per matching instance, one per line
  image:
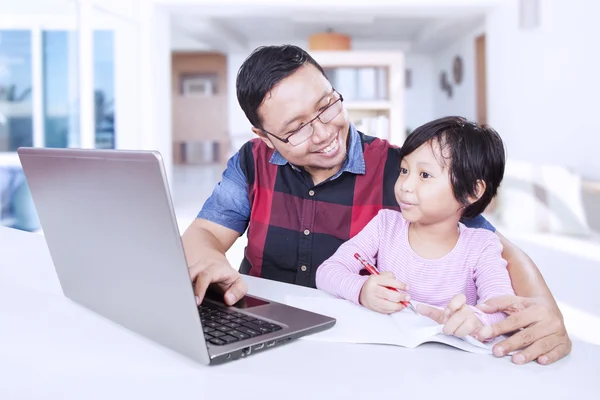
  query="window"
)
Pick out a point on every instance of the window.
point(104, 89)
point(61, 117)
point(16, 106)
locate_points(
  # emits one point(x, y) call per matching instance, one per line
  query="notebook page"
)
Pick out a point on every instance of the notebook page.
point(355, 324)
point(417, 329)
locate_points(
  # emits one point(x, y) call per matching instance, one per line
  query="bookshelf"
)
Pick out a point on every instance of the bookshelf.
point(372, 83)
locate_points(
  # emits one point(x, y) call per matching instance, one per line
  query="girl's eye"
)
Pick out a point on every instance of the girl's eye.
point(403, 171)
point(425, 175)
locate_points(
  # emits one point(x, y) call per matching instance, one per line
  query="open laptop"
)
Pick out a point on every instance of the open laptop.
point(109, 223)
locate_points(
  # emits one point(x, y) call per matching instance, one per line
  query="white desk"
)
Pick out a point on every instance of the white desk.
point(52, 348)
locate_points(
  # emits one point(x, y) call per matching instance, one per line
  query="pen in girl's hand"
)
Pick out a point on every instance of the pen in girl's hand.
point(373, 271)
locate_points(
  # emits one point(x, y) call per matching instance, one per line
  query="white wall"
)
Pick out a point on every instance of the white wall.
point(155, 82)
point(142, 75)
point(543, 84)
point(419, 100)
point(463, 100)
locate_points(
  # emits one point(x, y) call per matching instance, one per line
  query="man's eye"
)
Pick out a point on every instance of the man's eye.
point(293, 131)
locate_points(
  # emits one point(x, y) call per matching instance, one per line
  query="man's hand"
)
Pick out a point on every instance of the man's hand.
point(377, 297)
point(459, 319)
point(543, 336)
point(229, 280)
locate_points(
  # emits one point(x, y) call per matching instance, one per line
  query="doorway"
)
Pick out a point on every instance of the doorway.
point(481, 79)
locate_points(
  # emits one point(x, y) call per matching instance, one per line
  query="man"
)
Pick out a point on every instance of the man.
point(309, 182)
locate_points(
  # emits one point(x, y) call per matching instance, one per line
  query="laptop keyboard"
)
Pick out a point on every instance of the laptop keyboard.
point(222, 326)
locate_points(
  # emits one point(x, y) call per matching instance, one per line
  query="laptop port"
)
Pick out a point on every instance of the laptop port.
point(258, 346)
point(271, 343)
point(246, 352)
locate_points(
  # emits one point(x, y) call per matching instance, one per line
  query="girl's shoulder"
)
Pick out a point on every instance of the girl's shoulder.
point(477, 238)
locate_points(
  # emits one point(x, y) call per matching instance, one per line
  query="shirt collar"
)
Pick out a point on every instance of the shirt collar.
point(354, 162)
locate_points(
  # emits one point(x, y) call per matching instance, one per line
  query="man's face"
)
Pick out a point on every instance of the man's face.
point(295, 101)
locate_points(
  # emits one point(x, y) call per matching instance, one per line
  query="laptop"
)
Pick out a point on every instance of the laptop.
point(109, 223)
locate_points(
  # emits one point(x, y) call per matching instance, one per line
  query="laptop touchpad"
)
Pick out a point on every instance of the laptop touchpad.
point(249, 302)
point(245, 302)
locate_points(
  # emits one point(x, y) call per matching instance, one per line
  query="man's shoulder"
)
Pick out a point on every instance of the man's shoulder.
point(373, 143)
point(254, 150)
point(376, 149)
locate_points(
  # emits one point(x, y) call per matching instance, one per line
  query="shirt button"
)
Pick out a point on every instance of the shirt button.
point(303, 268)
point(306, 232)
point(311, 193)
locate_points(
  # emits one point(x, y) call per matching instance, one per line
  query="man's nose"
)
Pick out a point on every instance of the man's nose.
point(320, 133)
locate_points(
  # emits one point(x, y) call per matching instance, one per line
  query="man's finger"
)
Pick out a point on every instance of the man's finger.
point(556, 353)
point(508, 304)
point(519, 341)
point(536, 349)
point(236, 291)
point(507, 325)
point(203, 280)
point(431, 312)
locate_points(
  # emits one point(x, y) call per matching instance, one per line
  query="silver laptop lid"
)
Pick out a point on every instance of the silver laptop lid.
point(108, 219)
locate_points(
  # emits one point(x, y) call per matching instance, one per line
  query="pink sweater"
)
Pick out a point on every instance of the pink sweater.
point(474, 267)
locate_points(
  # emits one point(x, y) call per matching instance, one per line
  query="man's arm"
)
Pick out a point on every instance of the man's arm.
point(223, 218)
point(205, 239)
point(527, 281)
point(205, 244)
point(540, 332)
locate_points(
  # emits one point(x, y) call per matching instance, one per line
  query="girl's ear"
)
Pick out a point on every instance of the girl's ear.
point(263, 137)
point(479, 191)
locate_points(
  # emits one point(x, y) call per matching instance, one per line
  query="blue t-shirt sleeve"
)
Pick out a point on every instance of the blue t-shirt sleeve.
point(228, 204)
point(478, 222)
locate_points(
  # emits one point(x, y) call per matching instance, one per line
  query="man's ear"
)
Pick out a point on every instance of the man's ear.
point(479, 191)
point(263, 136)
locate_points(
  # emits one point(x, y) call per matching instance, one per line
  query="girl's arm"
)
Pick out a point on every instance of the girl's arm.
point(339, 275)
point(491, 278)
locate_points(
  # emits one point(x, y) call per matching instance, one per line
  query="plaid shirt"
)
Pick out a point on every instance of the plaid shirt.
point(294, 225)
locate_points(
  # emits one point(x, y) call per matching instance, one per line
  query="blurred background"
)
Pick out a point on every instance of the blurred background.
point(160, 74)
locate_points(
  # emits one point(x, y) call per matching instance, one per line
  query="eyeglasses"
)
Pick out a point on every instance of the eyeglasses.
point(301, 135)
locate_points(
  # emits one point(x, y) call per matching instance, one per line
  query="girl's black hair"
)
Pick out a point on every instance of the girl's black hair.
point(473, 152)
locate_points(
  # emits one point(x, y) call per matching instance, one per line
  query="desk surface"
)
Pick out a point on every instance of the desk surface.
point(52, 348)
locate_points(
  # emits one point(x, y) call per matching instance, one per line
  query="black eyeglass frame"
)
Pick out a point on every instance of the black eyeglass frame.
point(287, 139)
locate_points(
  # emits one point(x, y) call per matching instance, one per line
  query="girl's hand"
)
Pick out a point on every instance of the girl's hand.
point(377, 297)
point(459, 319)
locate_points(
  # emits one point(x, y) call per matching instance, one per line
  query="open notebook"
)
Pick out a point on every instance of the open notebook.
point(357, 324)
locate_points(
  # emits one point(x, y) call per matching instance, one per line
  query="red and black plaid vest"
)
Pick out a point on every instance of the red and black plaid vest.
point(295, 225)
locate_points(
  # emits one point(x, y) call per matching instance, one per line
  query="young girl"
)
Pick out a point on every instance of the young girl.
point(449, 172)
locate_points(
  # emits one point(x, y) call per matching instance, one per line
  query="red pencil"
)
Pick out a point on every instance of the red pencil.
point(373, 271)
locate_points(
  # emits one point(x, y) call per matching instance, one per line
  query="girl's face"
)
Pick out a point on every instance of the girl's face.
point(423, 189)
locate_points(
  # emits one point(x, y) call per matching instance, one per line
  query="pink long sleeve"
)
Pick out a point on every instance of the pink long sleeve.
point(491, 278)
point(339, 275)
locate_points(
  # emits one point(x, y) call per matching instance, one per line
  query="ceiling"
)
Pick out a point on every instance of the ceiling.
point(424, 29)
